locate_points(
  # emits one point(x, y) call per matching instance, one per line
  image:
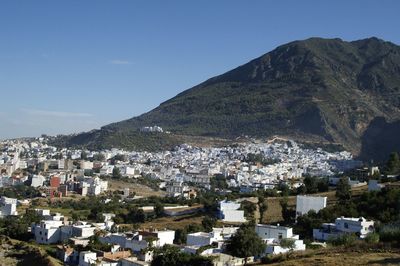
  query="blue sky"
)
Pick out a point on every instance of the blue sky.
point(69, 66)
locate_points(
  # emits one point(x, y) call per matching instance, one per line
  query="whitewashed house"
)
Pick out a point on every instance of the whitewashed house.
point(140, 240)
point(359, 226)
point(273, 235)
point(217, 236)
point(229, 211)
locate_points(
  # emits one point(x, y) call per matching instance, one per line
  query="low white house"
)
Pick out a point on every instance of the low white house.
point(200, 239)
point(304, 204)
point(8, 206)
point(229, 211)
point(273, 236)
point(140, 240)
point(359, 226)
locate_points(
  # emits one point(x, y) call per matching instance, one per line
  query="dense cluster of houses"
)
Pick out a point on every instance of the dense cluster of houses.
point(179, 170)
point(62, 171)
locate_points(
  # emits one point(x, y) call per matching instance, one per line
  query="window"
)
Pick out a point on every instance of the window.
point(280, 236)
point(346, 225)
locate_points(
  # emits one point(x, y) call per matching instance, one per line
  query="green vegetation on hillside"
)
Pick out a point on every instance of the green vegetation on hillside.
point(324, 90)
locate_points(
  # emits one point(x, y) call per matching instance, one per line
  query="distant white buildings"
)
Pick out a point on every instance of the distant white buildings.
point(151, 129)
point(276, 236)
point(93, 186)
point(359, 226)
point(229, 211)
point(304, 204)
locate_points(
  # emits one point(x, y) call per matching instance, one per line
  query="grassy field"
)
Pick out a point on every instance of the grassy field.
point(174, 222)
point(140, 190)
point(19, 253)
point(342, 256)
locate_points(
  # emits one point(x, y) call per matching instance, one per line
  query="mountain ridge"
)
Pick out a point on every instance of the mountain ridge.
point(322, 89)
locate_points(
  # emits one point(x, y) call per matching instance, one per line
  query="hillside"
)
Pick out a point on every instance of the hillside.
point(315, 89)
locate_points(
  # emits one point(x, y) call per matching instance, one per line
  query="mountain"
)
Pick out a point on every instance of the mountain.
point(317, 89)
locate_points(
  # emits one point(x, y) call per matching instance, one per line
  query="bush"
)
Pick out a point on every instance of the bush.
point(372, 238)
point(273, 258)
point(390, 233)
point(288, 243)
point(343, 240)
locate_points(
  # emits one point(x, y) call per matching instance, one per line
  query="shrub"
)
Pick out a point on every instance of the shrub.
point(288, 243)
point(372, 238)
point(343, 240)
point(273, 258)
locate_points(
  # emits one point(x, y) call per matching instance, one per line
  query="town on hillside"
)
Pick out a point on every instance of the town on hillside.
point(249, 202)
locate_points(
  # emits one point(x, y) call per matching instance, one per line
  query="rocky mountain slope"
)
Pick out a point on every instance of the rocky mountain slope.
point(315, 89)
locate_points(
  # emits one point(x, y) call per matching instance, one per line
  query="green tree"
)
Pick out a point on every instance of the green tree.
point(393, 164)
point(288, 215)
point(288, 243)
point(99, 157)
point(180, 236)
point(249, 208)
point(159, 209)
point(116, 173)
point(208, 223)
point(343, 189)
point(83, 155)
point(172, 256)
point(262, 207)
point(245, 243)
point(311, 184)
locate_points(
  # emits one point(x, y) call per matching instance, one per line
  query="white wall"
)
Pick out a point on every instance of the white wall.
point(306, 203)
point(271, 231)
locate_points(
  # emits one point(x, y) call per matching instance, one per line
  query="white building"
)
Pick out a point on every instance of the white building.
point(140, 240)
point(176, 188)
point(87, 258)
point(229, 211)
point(359, 226)
point(304, 204)
point(217, 236)
point(37, 181)
point(47, 232)
point(86, 165)
point(8, 206)
point(106, 170)
point(273, 236)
